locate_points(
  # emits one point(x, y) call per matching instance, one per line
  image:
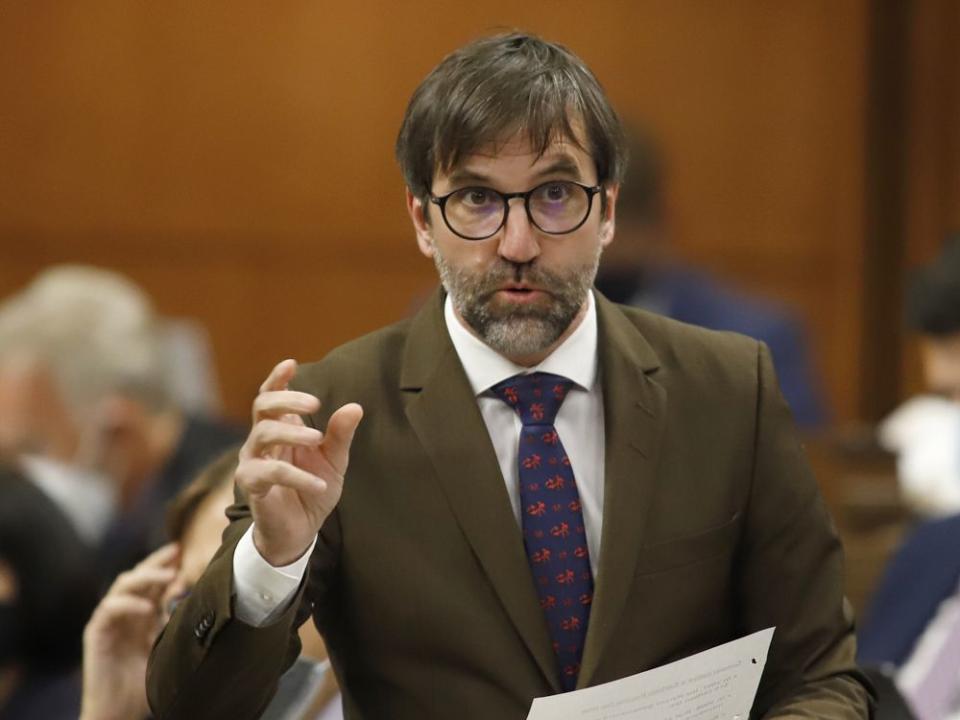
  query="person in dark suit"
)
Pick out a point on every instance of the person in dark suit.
point(642, 269)
point(912, 628)
point(546, 491)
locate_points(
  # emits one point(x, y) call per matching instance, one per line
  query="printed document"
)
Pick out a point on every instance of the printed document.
point(717, 684)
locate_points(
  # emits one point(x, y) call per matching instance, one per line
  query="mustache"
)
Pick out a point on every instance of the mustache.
point(506, 271)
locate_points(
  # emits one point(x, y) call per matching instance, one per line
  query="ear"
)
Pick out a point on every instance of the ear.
point(608, 221)
point(419, 215)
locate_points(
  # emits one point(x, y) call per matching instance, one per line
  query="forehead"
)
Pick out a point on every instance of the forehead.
point(516, 160)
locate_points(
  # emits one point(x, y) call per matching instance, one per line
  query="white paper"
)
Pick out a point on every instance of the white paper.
point(717, 684)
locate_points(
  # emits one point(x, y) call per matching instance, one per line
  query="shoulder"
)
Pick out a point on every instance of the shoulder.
point(359, 370)
point(692, 351)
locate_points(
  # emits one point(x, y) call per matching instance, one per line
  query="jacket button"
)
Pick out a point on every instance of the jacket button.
point(201, 629)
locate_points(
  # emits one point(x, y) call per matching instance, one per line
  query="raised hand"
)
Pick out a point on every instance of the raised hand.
point(292, 474)
point(119, 635)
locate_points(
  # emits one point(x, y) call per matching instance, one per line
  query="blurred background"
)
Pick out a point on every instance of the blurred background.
point(235, 160)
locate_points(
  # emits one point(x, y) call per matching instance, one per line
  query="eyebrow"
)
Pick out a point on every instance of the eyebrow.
point(563, 164)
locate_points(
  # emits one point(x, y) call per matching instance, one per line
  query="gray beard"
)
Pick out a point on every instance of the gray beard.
point(524, 330)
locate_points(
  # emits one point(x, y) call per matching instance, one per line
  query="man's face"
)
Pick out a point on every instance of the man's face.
point(521, 291)
point(941, 364)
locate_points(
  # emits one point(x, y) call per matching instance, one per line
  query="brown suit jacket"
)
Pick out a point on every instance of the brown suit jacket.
point(713, 528)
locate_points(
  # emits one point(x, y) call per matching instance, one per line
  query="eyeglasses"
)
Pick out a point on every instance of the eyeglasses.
point(556, 208)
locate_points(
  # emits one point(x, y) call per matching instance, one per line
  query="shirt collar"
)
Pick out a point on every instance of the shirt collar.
point(575, 358)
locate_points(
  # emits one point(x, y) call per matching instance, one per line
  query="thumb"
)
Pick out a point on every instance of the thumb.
point(339, 435)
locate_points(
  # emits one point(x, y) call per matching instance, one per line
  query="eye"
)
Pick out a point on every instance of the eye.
point(555, 192)
point(477, 197)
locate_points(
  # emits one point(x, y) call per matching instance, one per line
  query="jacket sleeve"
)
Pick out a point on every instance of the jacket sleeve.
point(792, 577)
point(209, 664)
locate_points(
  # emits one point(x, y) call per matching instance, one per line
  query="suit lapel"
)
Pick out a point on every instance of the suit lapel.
point(634, 411)
point(446, 419)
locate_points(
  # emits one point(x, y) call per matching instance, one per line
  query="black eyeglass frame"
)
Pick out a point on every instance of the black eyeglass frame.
point(441, 202)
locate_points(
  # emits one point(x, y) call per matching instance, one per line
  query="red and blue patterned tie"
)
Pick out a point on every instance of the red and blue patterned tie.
point(553, 530)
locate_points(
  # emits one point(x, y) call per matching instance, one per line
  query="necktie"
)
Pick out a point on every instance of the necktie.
point(936, 695)
point(552, 520)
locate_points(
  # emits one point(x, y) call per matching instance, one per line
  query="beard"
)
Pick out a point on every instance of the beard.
point(510, 329)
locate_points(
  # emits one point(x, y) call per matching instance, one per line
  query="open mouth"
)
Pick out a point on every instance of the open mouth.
point(521, 294)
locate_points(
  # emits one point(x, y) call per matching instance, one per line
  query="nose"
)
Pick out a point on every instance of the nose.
point(520, 242)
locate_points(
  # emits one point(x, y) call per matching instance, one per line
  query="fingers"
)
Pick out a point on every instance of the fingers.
point(150, 578)
point(168, 555)
point(281, 374)
point(267, 434)
point(340, 431)
point(257, 475)
point(143, 581)
point(127, 606)
point(277, 403)
point(136, 593)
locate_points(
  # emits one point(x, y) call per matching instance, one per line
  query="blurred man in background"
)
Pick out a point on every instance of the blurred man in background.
point(86, 403)
point(642, 269)
point(913, 627)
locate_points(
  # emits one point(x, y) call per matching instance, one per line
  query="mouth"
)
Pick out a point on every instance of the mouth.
point(521, 293)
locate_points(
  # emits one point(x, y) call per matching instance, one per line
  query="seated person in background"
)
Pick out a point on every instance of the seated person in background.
point(46, 595)
point(84, 402)
point(119, 636)
point(912, 628)
point(640, 269)
point(925, 430)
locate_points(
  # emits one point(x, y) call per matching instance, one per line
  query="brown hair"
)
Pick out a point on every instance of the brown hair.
point(933, 296)
point(485, 91)
point(185, 504)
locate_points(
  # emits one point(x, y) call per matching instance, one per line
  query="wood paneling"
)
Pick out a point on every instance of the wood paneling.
point(932, 183)
point(236, 157)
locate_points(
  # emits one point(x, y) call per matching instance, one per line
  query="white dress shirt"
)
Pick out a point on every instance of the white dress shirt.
point(262, 591)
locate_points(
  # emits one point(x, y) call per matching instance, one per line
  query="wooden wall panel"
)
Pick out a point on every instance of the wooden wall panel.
point(932, 183)
point(236, 157)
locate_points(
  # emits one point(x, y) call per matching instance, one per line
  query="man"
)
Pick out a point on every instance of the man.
point(913, 628)
point(546, 491)
point(641, 269)
point(85, 402)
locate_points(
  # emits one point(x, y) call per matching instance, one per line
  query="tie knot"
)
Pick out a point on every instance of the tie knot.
point(536, 397)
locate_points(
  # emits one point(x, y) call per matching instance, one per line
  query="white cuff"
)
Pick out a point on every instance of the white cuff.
point(263, 591)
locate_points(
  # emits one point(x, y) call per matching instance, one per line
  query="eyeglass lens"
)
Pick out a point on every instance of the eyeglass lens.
point(555, 207)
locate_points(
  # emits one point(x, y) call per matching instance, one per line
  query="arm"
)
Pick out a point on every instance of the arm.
point(208, 662)
point(792, 577)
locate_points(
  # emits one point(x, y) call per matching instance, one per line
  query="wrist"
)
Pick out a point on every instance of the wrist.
point(278, 554)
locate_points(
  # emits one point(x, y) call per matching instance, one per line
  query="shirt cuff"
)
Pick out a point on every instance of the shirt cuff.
point(263, 592)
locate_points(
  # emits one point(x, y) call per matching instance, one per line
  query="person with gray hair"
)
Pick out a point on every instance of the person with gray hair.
point(86, 403)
